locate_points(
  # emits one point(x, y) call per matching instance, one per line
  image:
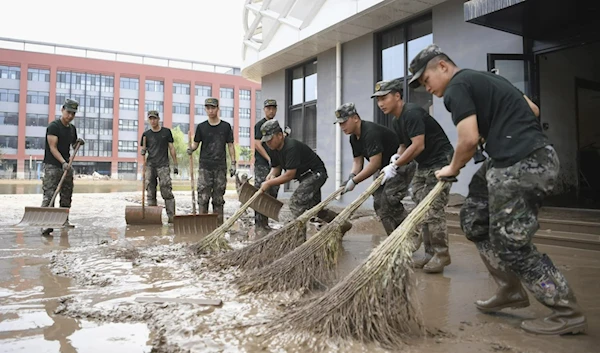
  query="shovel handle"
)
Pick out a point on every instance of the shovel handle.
point(192, 174)
point(144, 178)
point(62, 179)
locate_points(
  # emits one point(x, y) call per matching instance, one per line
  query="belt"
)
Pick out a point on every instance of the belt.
point(309, 173)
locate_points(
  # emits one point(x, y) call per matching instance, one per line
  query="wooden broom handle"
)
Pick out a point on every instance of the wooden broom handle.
point(64, 176)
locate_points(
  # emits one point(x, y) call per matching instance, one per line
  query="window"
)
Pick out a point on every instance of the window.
point(9, 95)
point(107, 83)
point(181, 88)
point(105, 126)
point(128, 125)
point(127, 146)
point(77, 81)
point(200, 110)
point(41, 75)
point(181, 108)
point(397, 47)
point(92, 82)
point(35, 97)
point(244, 95)
point(90, 126)
point(130, 83)
point(97, 148)
point(35, 119)
point(127, 167)
point(227, 112)
point(244, 131)
point(63, 79)
point(245, 113)
point(12, 119)
point(184, 127)
point(35, 143)
point(258, 104)
point(203, 91)
point(303, 110)
point(128, 104)
point(8, 142)
point(106, 105)
point(154, 105)
point(60, 100)
point(226, 93)
point(154, 86)
point(10, 72)
point(92, 104)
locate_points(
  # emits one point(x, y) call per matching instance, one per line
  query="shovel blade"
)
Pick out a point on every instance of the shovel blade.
point(264, 204)
point(151, 215)
point(51, 217)
point(199, 225)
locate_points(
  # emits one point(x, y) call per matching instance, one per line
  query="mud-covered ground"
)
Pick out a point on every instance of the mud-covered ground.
point(76, 291)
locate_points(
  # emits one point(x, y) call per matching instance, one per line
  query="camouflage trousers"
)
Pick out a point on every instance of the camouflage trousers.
point(260, 174)
point(500, 216)
point(387, 199)
point(212, 184)
point(52, 175)
point(308, 193)
point(433, 229)
point(160, 176)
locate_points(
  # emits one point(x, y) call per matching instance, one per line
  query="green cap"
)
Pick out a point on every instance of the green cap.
point(270, 128)
point(71, 105)
point(153, 114)
point(385, 87)
point(344, 112)
point(270, 102)
point(211, 101)
point(419, 63)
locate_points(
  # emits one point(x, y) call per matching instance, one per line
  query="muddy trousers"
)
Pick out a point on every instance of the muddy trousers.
point(160, 176)
point(500, 216)
point(52, 175)
point(212, 184)
point(387, 199)
point(260, 175)
point(308, 195)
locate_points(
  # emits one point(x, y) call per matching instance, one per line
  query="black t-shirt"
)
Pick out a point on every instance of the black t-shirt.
point(375, 139)
point(296, 155)
point(214, 140)
point(415, 121)
point(504, 118)
point(157, 146)
point(67, 135)
point(258, 158)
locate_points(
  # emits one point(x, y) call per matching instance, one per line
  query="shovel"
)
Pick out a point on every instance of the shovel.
point(194, 224)
point(51, 217)
point(143, 214)
point(264, 204)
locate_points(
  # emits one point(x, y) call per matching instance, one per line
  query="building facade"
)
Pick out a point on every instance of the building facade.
point(314, 57)
point(114, 96)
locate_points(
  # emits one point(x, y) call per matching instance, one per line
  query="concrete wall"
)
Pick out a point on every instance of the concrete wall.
point(468, 45)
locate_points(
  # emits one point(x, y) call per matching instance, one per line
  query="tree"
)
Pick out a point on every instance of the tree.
point(181, 147)
point(245, 153)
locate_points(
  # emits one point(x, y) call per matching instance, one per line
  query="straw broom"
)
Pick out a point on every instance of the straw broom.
point(311, 264)
point(377, 301)
point(275, 245)
point(215, 241)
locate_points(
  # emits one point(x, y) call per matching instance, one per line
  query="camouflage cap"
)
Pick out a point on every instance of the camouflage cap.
point(211, 101)
point(344, 112)
point(270, 128)
point(71, 105)
point(419, 63)
point(153, 114)
point(270, 102)
point(385, 87)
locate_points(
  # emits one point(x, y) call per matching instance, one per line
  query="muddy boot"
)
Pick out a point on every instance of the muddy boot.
point(417, 241)
point(566, 318)
point(220, 214)
point(441, 256)
point(46, 231)
point(510, 293)
point(261, 226)
point(424, 235)
point(170, 208)
point(67, 224)
point(329, 215)
point(151, 201)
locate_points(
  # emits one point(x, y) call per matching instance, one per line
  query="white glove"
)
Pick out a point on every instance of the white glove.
point(349, 185)
point(394, 158)
point(389, 171)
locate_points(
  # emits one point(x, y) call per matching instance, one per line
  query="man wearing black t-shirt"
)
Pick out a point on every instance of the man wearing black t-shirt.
point(159, 142)
point(216, 135)
point(61, 134)
point(423, 140)
point(377, 144)
point(300, 162)
point(500, 212)
point(262, 165)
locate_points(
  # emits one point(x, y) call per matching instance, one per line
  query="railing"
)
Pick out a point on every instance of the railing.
point(102, 54)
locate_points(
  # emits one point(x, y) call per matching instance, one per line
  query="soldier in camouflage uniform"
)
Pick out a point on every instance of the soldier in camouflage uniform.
point(300, 162)
point(159, 142)
point(262, 165)
point(500, 212)
point(377, 144)
point(423, 140)
point(61, 135)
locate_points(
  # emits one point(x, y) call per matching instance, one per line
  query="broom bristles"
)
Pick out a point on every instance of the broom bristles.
point(377, 301)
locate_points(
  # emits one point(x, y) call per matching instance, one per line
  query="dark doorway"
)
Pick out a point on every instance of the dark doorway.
point(587, 100)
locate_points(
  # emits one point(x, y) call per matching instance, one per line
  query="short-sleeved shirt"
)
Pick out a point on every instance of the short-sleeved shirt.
point(374, 139)
point(504, 117)
point(214, 140)
point(296, 155)
point(157, 146)
point(67, 135)
point(415, 121)
point(258, 158)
